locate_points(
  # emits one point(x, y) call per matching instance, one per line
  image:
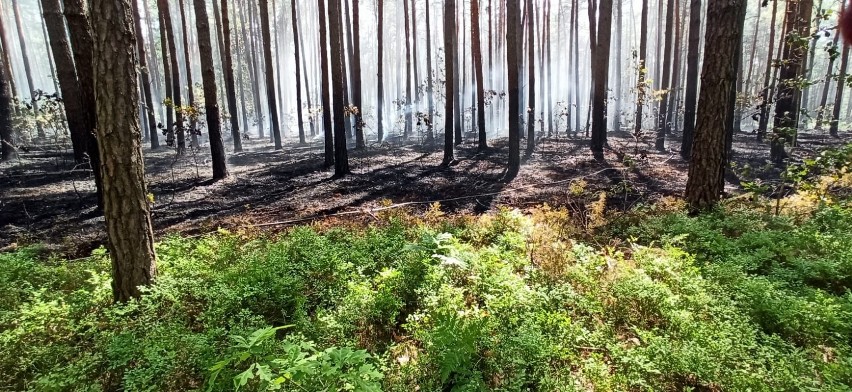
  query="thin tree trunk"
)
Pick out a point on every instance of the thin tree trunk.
point(7, 52)
point(600, 78)
point(691, 96)
point(50, 60)
point(531, 78)
point(127, 211)
point(341, 158)
point(838, 94)
point(211, 100)
point(228, 71)
point(193, 123)
point(767, 92)
point(408, 115)
point(828, 76)
point(576, 66)
point(430, 137)
point(300, 123)
point(27, 68)
point(7, 143)
point(144, 73)
point(356, 78)
point(480, 77)
point(662, 125)
point(513, 60)
point(449, 72)
point(643, 65)
point(380, 94)
point(326, 98)
point(270, 73)
point(168, 28)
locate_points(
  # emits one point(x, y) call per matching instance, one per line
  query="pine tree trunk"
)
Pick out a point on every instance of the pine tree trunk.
point(838, 94)
point(167, 33)
point(7, 144)
point(341, 158)
point(356, 78)
point(706, 169)
point(68, 84)
point(27, 68)
point(662, 125)
point(299, 121)
point(270, 73)
point(408, 115)
point(530, 78)
point(767, 93)
point(618, 61)
point(449, 72)
point(691, 95)
point(643, 67)
point(211, 100)
point(167, 78)
point(193, 124)
point(326, 98)
point(600, 78)
point(228, 70)
point(828, 76)
point(513, 60)
point(576, 66)
point(50, 60)
point(7, 59)
point(480, 77)
point(458, 74)
point(430, 137)
point(144, 73)
point(380, 94)
point(80, 32)
point(797, 25)
point(126, 208)
point(249, 35)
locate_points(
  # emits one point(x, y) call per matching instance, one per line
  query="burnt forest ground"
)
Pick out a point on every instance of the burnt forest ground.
point(45, 198)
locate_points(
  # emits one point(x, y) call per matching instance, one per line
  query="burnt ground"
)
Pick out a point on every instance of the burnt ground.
point(44, 198)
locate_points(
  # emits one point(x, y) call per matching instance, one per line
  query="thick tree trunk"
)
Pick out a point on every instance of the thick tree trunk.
point(82, 46)
point(477, 70)
point(691, 95)
point(449, 72)
point(7, 59)
point(27, 68)
point(126, 208)
point(144, 73)
point(228, 70)
point(513, 60)
point(341, 157)
point(797, 25)
point(600, 78)
point(67, 75)
point(211, 100)
point(706, 169)
point(662, 124)
point(270, 73)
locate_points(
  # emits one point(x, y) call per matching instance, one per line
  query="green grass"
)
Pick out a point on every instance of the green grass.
point(732, 300)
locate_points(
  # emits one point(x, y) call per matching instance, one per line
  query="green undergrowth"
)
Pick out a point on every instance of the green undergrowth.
point(656, 300)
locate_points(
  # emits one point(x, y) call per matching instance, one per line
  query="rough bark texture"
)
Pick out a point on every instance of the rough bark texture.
point(784, 129)
point(341, 157)
point(211, 99)
point(600, 72)
point(270, 73)
point(449, 72)
point(4, 42)
point(146, 76)
point(126, 209)
point(230, 86)
point(717, 79)
point(691, 95)
point(299, 122)
point(477, 70)
point(326, 98)
point(82, 48)
point(68, 84)
point(513, 52)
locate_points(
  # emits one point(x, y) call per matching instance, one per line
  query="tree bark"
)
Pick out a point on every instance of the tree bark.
point(513, 53)
point(449, 72)
point(341, 157)
point(126, 208)
point(356, 78)
point(228, 70)
point(706, 169)
point(68, 84)
point(190, 90)
point(430, 136)
point(784, 130)
point(838, 94)
point(380, 94)
point(300, 123)
point(328, 131)
point(768, 88)
point(7, 144)
point(408, 115)
point(691, 95)
point(144, 73)
point(82, 46)
point(7, 59)
point(662, 125)
point(167, 33)
point(270, 73)
point(530, 78)
point(600, 78)
point(480, 77)
point(211, 100)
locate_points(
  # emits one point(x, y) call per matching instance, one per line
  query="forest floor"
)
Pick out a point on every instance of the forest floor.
point(45, 199)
